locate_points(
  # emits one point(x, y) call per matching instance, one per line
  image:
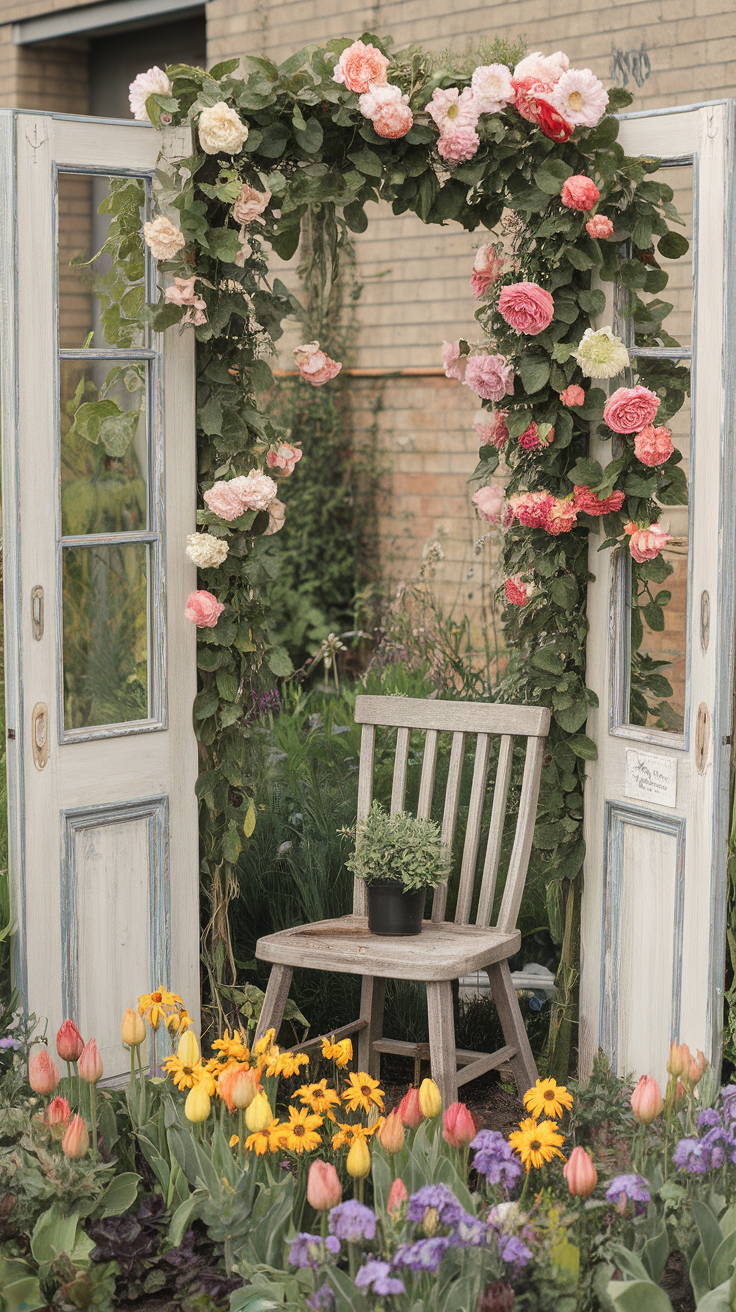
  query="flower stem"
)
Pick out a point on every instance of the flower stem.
point(241, 1131)
point(93, 1114)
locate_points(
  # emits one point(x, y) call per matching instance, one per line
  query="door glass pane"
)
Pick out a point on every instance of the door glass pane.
point(103, 429)
point(105, 634)
point(89, 204)
point(678, 291)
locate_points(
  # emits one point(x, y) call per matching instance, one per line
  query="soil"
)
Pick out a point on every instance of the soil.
point(489, 1099)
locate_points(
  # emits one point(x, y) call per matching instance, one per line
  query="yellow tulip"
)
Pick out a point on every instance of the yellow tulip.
point(430, 1101)
point(258, 1116)
point(133, 1028)
point(359, 1159)
point(197, 1105)
point(188, 1049)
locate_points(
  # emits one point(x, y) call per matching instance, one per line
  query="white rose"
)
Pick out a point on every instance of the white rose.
point(163, 238)
point(221, 131)
point(206, 551)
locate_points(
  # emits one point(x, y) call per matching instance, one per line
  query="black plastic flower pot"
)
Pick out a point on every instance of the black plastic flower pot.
point(391, 910)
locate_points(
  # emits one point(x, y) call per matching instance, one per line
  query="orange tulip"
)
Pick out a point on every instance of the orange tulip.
point(225, 1080)
point(90, 1063)
point(696, 1070)
point(678, 1062)
point(580, 1173)
point(323, 1186)
point(391, 1133)
point(58, 1112)
point(69, 1042)
point(458, 1126)
point(244, 1086)
point(409, 1109)
point(43, 1073)
point(76, 1139)
point(646, 1100)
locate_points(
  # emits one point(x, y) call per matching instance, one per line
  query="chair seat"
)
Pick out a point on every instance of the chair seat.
point(441, 952)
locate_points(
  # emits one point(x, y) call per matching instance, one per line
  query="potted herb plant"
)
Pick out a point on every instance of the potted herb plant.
point(399, 857)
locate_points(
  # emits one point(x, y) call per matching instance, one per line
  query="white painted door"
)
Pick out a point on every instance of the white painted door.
point(656, 802)
point(100, 662)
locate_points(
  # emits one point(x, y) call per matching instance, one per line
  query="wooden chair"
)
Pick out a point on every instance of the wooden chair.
point(444, 950)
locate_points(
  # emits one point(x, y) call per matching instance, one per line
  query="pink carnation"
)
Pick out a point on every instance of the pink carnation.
point(526, 307)
point(646, 543)
point(453, 109)
point(630, 409)
point(487, 267)
point(203, 609)
point(359, 66)
point(229, 500)
point(573, 395)
point(490, 502)
point(561, 516)
point(599, 226)
point(491, 428)
point(458, 144)
point(285, 457)
point(653, 445)
point(517, 592)
point(454, 362)
point(587, 503)
point(579, 192)
point(532, 508)
point(314, 365)
point(530, 438)
point(489, 376)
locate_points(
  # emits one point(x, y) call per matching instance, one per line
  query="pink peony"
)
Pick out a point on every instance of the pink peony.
point(393, 121)
point(453, 361)
point(490, 503)
point(647, 542)
point(203, 609)
point(249, 205)
point(487, 267)
point(452, 109)
point(491, 88)
point(579, 192)
point(532, 508)
point(314, 365)
point(255, 490)
point(489, 376)
point(630, 409)
point(458, 145)
point(183, 293)
point(653, 445)
point(580, 97)
point(285, 457)
point(573, 395)
point(143, 86)
point(599, 226)
point(526, 307)
point(490, 425)
point(553, 125)
point(517, 592)
point(538, 65)
point(561, 516)
point(587, 503)
point(359, 66)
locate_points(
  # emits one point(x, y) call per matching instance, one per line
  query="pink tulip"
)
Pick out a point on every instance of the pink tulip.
point(58, 1112)
point(580, 1173)
point(397, 1197)
point(458, 1126)
point(69, 1042)
point(646, 1100)
point(90, 1063)
point(409, 1109)
point(76, 1139)
point(323, 1186)
point(43, 1073)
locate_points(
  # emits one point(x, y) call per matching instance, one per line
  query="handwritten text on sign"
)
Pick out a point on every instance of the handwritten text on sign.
point(652, 778)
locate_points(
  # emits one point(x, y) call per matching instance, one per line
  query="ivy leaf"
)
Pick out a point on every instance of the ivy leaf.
point(117, 432)
point(583, 747)
point(534, 371)
point(564, 592)
point(552, 174)
point(592, 302)
point(637, 485)
point(89, 417)
point(573, 719)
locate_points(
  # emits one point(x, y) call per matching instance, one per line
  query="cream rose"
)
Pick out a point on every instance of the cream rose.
point(221, 131)
point(163, 238)
point(206, 551)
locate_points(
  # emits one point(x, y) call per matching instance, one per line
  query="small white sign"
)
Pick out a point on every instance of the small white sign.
point(652, 778)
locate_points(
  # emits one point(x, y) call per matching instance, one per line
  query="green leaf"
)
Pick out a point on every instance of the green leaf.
point(673, 245)
point(280, 663)
point(552, 174)
point(534, 371)
point(231, 844)
point(117, 432)
point(711, 1235)
point(586, 473)
point(310, 138)
point(546, 658)
point(654, 616)
point(564, 592)
point(90, 415)
point(368, 162)
point(184, 1215)
point(222, 69)
point(583, 747)
point(274, 139)
point(205, 703)
point(120, 1194)
point(637, 1296)
point(355, 216)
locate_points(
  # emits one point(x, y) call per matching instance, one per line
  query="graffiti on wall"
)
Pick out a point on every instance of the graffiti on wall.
point(630, 66)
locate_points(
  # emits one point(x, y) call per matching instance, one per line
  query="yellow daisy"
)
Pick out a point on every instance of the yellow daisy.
point(341, 1053)
point(234, 1140)
point(185, 1076)
point(301, 1134)
point(286, 1063)
point(180, 1021)
point(547, 1098)
point(318, 1098)
point(536, 1143)
point(157, 1006)
point(347, 1134)
point(231, 1049)
point(265, 1046)
point(265, 1141)
point(362, 1092)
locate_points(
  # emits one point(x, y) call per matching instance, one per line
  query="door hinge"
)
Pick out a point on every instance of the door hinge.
point(11, 734)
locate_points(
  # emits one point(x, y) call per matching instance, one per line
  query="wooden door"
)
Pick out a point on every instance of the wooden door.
point(656, 802)
point(100, 662)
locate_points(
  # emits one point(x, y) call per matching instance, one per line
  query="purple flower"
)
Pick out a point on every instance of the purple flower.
point(511, 1249)
point(376, 1276)
point(307, 1250)
point(352, 1221)
point(495, 1158)
point(425, 1255)
point(469, 1232)
point(628, 1188)
point(710, 1117)
point(696, 1156)
point(322, 1300)
point(441, 1199)
point(728, 1094)
point(9, 1043)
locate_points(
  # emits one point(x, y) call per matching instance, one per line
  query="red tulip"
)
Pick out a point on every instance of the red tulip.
point(580, 1173)
point(458, 1126)
point(646, 1100)
point(323, 1186)
point(76, 1139)
point(58, 1112)
point(69, 1042)
point(43, 1073)
point(409, 1109)
point(391, 1133)
point(397, 1197)
point(90, 1063)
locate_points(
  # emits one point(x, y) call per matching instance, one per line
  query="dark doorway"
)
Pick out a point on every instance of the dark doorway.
point(115, 60)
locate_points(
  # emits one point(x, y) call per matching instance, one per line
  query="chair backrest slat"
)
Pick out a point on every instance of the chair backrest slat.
point(429, 767)
point(401, 764)
point(449, 818)
point(495, 832)
point(472, 831)
point(453, 717)
point(519, 859)
point(365, 797)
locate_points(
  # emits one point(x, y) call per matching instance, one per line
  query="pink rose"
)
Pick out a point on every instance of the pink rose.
point(249, 205)
point(458, 144)
point(183, 293)
point(532, 508)
point(285, 457)
point(526, 307)
point(454, 362)
point(599, 226)
point(490, 425)
point(630, 409)
point(573, 395)
point(360, 65)
point(587, 503)
point(530, 438)
point(203, 609)
point(314, 365)
point(579, 192)
point(561, 516)
point(487, 267)
point(489, 376)
point(490, 502)
point(517, 592)
point(646, 543)
point(229, 500)
point(393, 121)
point(653, 445)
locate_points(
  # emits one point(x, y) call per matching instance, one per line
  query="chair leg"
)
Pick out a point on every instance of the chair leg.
point(277, 993)
point(372, 995)
point(442, 1040)
point(514, 1031)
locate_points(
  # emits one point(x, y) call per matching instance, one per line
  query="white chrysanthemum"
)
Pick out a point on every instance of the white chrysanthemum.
point(143, 86)
point(580, 98)
point(601, 354)
point(206, 551)
point(491, 87)
point(547, 68)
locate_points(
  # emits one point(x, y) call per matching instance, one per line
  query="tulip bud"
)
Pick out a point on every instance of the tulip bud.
point(197, 1105)
point(133, 1028)
point(696, 1070)
point(90, 1063)
point(58, 1112)
point(409, 1109)
point(430, 1101)
point(458, 1126)
point(43, 1073)
point(646, 1100)
point(323, 1187)
point(397, 1197)
point(258, 1116)
point(580, 1173)
point(678, 1062)
point(69, 1042)
point(76, 1139)
point(359, 1159)
point(244, 1087)
point(391, 1133)
point(188, 1049)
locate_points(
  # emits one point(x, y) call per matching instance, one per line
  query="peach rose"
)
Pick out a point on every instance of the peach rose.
point(203, 609)
point(490, 502)
point(163, 238)
point(526, 307)
point(647, 542)
point(579, 192)
point(589, 504)
point(183, 293)
point(630, 409)
point(653, 445)
point(487, 267)
point(489, 376)
point(285, 457)
point(517, 592)
point(359, 66)
point(573, 395)
point(393, 121)
point(490, 425)
point(249, 205)
point(314, 365)
point(599, 226)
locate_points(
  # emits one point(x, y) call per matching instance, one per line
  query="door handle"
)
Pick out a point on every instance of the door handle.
point(702, 738)
point(37, 612)
point(40, 735)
